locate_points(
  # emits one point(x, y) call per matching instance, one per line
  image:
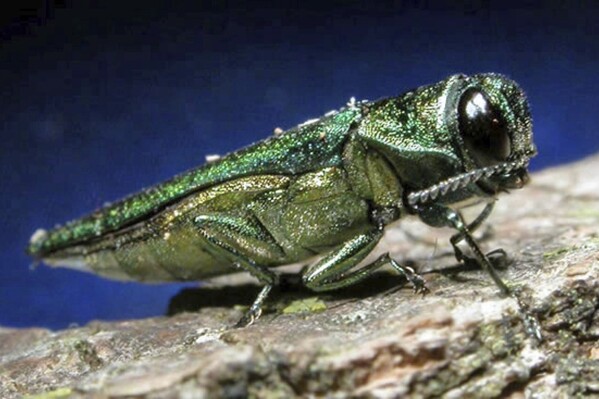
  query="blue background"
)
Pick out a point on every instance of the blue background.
point(98, 101)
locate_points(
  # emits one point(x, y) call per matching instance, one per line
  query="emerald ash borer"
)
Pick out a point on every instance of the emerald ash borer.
point(326, 187)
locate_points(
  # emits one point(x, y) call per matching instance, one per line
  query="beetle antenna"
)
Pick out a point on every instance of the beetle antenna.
point(462, 180)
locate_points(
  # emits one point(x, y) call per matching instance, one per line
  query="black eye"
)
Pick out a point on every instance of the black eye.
point(483, 129)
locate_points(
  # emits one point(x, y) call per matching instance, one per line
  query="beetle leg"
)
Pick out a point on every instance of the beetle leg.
point(329, 273)
point(443, 216)
point(530, 321)
point(498, 257)
point(475, 224)
point(455, 220)
point(437, 215)
point(232, 237)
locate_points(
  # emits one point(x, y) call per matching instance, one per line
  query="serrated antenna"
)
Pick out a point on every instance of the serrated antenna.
point(462, 180)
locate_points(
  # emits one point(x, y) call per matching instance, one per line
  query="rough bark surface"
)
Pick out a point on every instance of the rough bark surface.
point(377, 339)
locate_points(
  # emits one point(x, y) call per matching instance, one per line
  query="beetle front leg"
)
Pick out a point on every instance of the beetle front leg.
point(230, 237)
point(438, 215)
point(497, 256)
point(530, 321)
point(329, 273)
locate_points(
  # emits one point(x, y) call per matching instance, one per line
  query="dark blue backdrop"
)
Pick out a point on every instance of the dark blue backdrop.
point(101, 100)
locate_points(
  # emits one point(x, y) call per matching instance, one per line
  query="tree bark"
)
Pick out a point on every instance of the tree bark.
point(376, 339)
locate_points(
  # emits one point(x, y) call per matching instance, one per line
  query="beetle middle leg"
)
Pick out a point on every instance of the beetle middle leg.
point(329, 272)
point(240, 239)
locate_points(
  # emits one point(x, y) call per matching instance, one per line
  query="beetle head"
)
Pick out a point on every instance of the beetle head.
point(463, 136)
point(492, 117)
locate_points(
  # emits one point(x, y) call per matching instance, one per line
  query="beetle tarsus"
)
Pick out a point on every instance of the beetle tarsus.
point(417, 281)
point(255, 310)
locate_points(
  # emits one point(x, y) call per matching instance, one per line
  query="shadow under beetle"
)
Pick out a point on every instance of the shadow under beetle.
point(328, 186)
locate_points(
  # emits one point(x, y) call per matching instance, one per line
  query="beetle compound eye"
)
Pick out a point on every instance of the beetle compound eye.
point(483, 129)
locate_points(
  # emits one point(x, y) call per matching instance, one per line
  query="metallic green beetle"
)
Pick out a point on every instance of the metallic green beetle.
point(328, 186)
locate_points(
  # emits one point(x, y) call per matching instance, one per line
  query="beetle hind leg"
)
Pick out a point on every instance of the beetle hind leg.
point(240, 239)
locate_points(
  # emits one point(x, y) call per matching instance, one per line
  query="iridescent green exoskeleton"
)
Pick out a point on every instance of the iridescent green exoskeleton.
point(329, 186)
